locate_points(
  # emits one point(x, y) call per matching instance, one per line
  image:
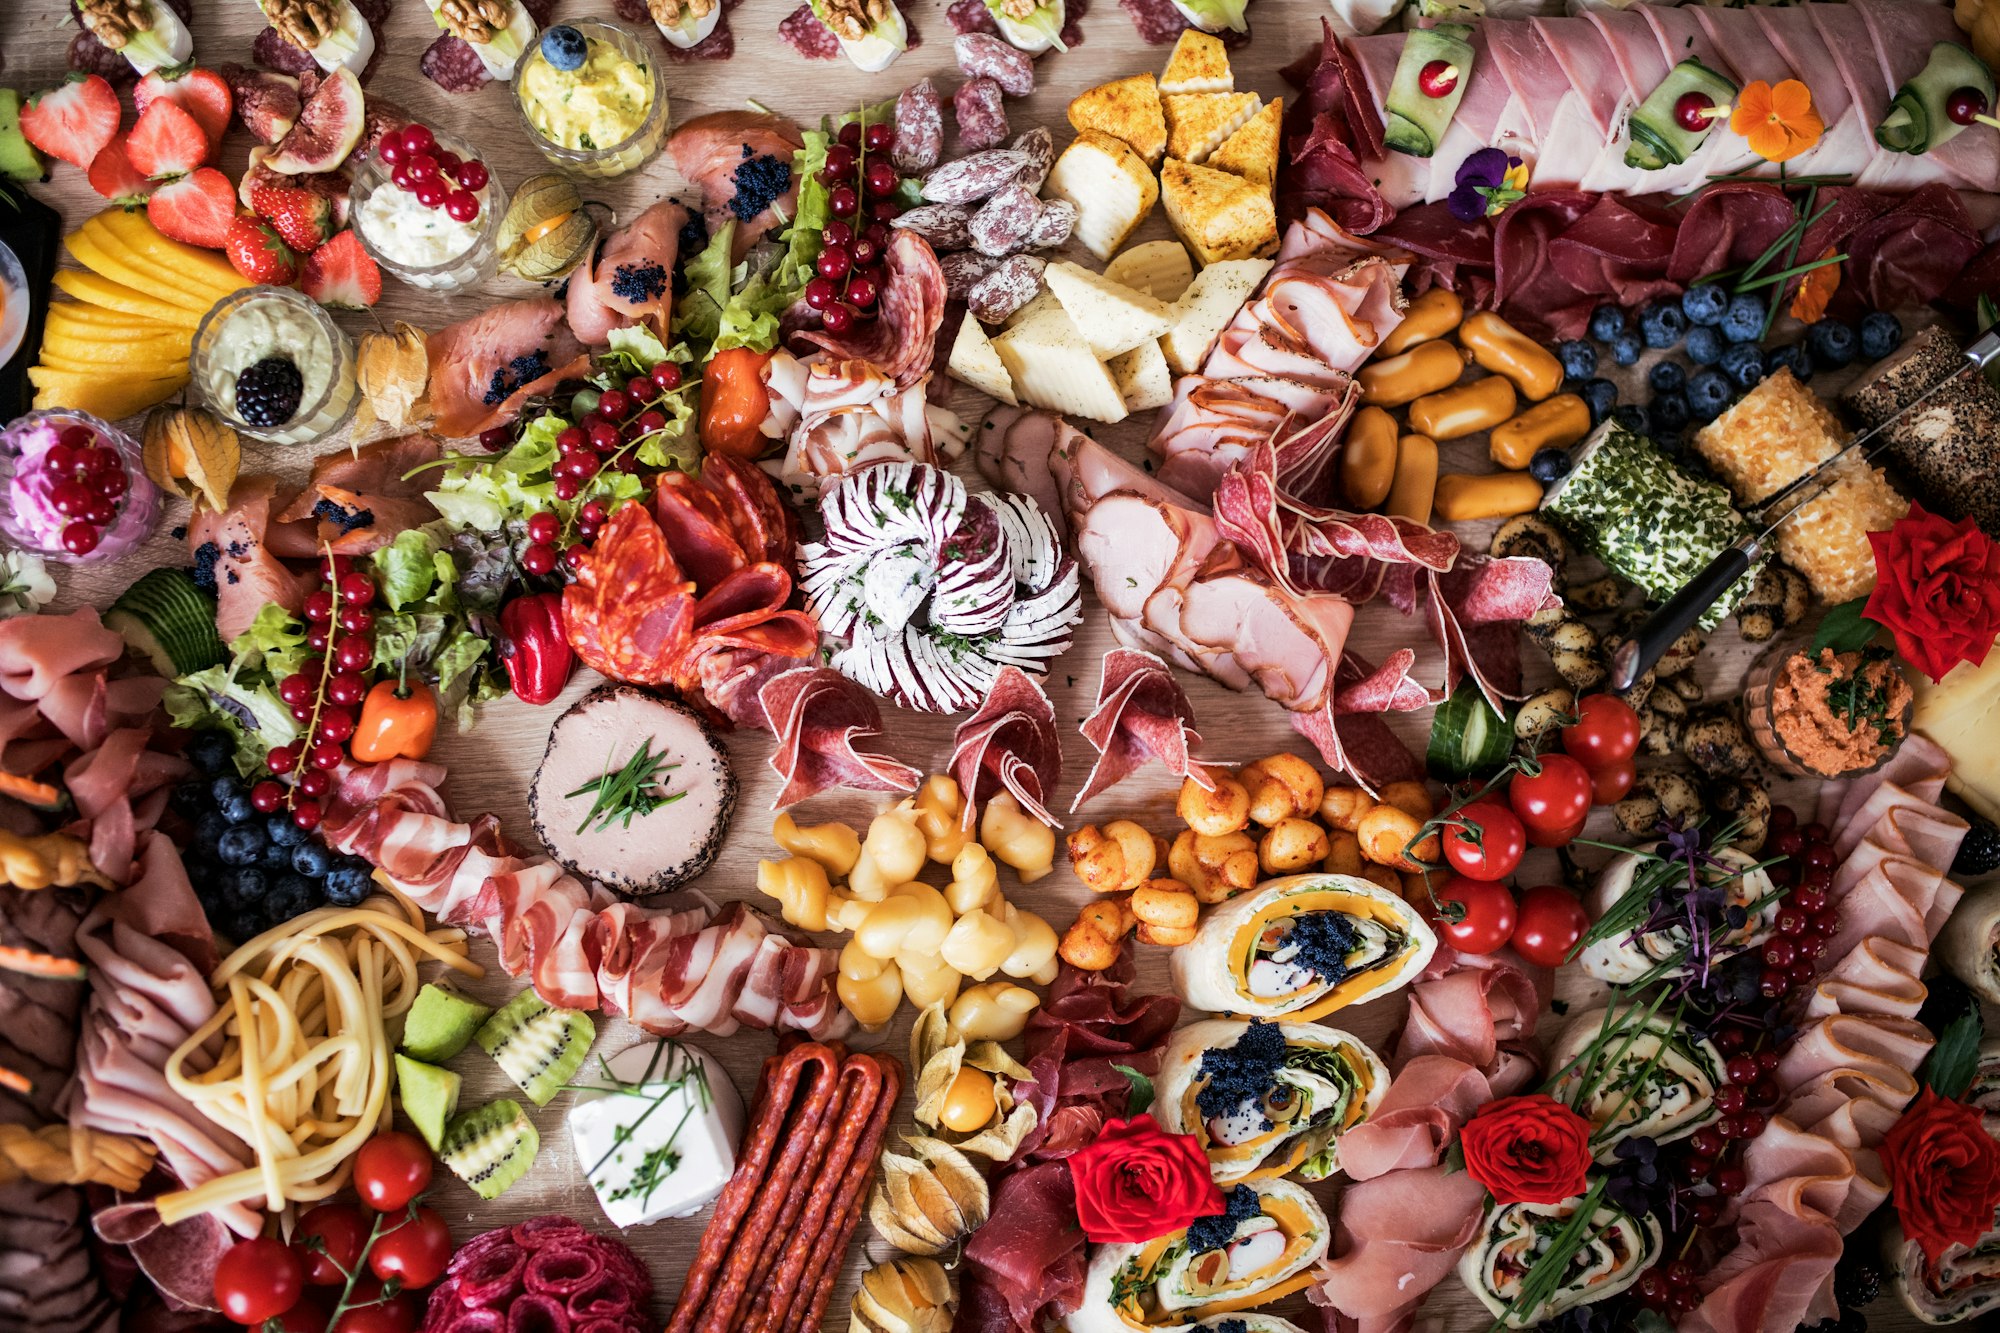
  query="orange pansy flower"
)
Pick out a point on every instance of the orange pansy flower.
point(1816, 288)
point(1779, 122)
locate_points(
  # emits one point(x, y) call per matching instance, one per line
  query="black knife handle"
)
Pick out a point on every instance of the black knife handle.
point(1633, 657)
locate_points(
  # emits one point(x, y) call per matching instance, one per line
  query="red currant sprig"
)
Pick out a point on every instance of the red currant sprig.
point(438, 177)
point(860, 183)
point(325, 691)
point(90, 486)
point(1807, 921)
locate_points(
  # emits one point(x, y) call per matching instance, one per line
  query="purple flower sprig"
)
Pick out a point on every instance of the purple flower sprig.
point(1486, 185)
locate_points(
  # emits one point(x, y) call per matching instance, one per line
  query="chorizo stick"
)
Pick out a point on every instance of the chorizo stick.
point(823, 1268)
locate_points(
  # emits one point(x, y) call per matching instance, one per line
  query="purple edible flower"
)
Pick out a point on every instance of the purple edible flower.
point(1488, 181)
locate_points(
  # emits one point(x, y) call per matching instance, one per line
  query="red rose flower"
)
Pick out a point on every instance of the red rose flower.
point(1944, 1173)
point(1531, 1149)
point(1136, 1181)
point(1937, 589)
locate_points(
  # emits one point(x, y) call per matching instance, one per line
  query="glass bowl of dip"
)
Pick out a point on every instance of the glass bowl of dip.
point(1791, 713)
point(603, 119)
point(250, 325)
point(427, 247)
point(14, 303)
point(33, 466)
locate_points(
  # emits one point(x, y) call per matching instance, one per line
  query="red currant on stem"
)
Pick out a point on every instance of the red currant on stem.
point(574, 557)
point(833, 262)
point(1729, 1098)
point(336, 724)
point(881, 179)
point(821, 293)
point(863, 252)
point(355, 653)
point(861, 292)
point(850, 135)
point(473, 175)
point(568, 488)
point(543, 526)
point(613, 404)
point(356, 619)
point(539, 558)
point(880, 137)
point(267, 795)
point(356, 589)
point(325, 756)
point(80, 538)
point(666, 376)
point(843, 201)
point(282, 759)
point(347, 689)
point(306, 814)
point(319, 606)
point(837, 232)
point(603, 435)
point(315, 782)
point(838, 318)
point(432, 193)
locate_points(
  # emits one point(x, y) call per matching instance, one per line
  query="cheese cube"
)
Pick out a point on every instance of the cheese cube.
point(1199, 64)
point(1199, 123)
point(1206, 308)
point(1158, 268)
point(973, 361)
point(1142, 377)
point(658, 1105)
point(1054, 368)
point(1127, 110)
point(1112, 318)
point(1252, 152)
point(1220, 216)
point(1110, 184)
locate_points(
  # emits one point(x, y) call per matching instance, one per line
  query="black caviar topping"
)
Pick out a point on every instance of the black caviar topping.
point(634, 283)
point(521, 370)
point(1218, 1229)
point(347, 520)
point(759, 181)
point(1324, 940)
point(1233, 1075)
point(205, 556)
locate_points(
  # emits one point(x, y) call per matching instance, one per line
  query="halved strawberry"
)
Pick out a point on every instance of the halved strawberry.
point(340, 273)
point(113, 175)
point(303, 218)
point(166, 140)
point(259, 254)
point(73, 120)
point(196, 209)
point(202, 93)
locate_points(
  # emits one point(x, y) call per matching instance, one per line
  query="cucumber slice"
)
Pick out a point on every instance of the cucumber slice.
point(1917, 120)
point(1414, 120)
point(1467, 735)
point(1658, 138)
point(167, 618)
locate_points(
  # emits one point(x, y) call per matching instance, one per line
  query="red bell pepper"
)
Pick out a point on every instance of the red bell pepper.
point(537, 653)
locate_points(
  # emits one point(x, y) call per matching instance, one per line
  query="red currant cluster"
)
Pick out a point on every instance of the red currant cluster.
point(438, 177)
point(860, 181)
point(545, 530)
point(1808, 920)
point(325, 692)
point(1670, 1286)
point(91, 489)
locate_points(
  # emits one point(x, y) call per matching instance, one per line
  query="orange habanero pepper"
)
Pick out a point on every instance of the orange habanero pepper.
point(397, 721)
point(734, 403)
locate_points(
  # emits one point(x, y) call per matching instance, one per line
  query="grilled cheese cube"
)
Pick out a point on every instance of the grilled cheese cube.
point(1199, 64)
point(1200, 123)
point(1126, 109)
point(1112, 318)
point(1158, 268)
point(1252, 152)
point(1142, 376)
point(973, 361)
point(1206, 308)
point(1110, 184)
point(1054, 368)
point(1220, 216)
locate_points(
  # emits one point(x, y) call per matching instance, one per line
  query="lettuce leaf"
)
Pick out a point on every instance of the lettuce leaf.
point(1214, 15)
point(407, 568)
point(698, 310)
point(482, 493)
point(215, 700)
point(272, 648)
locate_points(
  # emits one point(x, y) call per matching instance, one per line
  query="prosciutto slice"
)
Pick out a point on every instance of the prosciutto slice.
point(1010, 744)
point(1141, 714)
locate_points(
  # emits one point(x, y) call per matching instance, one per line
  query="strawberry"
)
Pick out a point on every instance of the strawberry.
point(166, 140)
point(73, 120)
point(196, 209)
point(303, 218)
point(259, 253)
point(202, 93)
point(340, 273)
point(113, 176)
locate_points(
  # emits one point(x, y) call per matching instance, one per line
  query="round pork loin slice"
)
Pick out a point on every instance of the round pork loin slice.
point(655, 850)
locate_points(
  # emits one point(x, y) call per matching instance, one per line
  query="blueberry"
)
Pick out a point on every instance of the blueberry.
point(565, 48)
point(276, 858)
point(312, 859)
point(210, 899)
point(208, 830)
point(1704, 303)
point(1670, 412)
point(1625, 349)
point(1549, 466)
point(244, 885)
point(290, 896)
point(221, 789)
point(1708, 393)
point(348, 884)
point(1704, 345)
point(1632, 417)
point(241, 845)
point(242, 924)
point(1668, 442)
point(1667, 377)
point(1579, 358)
point(210, 752)
point(1606, 323)
point(1743, 363)
point(284, 830)
point(1881, 334)
point(238, 810)
point(1793, 358)
point(191, 797)
point(1745, 321)
point(1831, 343)
point(1661, 324)
point(1601, 396)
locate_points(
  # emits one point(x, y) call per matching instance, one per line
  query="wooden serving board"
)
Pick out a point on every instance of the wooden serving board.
point(492, 765)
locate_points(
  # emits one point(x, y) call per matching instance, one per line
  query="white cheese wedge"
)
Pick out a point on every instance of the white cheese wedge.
point(1112, 317)
point(1200, 123)
point(1054, 368)
point(656, 1133)
point(1038, 304)
point(1143, 380)
point(1158, 268)
point(1206, 308)
point(974, 362)
point(1112, 187)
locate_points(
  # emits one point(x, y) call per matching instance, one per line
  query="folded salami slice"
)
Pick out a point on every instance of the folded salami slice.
point(1142, 713)
point(1010, 744)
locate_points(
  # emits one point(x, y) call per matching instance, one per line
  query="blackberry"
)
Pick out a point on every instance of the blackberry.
point(1856, 1283)
point(1948, 998)
point(1980, 852)
point(268, 393)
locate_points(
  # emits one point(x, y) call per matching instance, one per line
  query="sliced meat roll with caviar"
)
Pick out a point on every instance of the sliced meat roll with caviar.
point(630, 279)
point(1629, 1071)
point(1267, 1099)
point(1261, 1248)
point(1301, 947)
point(1616, 1249)
point(742, 162)
point(635, 791)
point(1656, 955)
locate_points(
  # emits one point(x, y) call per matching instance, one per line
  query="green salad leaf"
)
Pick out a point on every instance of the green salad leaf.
point(483, 493)
point(240, 697)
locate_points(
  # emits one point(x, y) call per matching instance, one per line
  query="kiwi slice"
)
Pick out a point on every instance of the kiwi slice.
point(490, 1148)
point(440, 1023)
point(429, 1096)
point(539, 1045)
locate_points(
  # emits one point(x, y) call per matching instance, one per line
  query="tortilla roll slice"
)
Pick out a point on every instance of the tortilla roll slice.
point(1259, 1251)
point(1984, 1093)
point(1267, 1099)
point(1248, 1321)
point(1301, 947)
point(1617, 1248)
point(1648, 1076)
point(1969, 945)
point(1963, 1284)
point(1623, 959)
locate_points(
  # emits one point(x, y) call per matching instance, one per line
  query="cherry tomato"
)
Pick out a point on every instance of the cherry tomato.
point(1488, 914)
point(342, 1231)
point(1551, 921)
point(1609, 784)
point(257, 1279)
point(398, 1314)
point(416, 1251)
point(1554, 802)
point(1606, 731)
point(1484, 840)
point(308, 1316)
point(391, 1169)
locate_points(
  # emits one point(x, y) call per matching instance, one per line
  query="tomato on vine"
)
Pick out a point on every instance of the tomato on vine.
point(414, 1251)
point(341, 1230)
point(1608, 785)
point(391, 1169)
point(1484, 840)
point(1553, 801)
point(1606, 732)
point(1484, 910)
point(258, 1279)
point(1551, 920)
